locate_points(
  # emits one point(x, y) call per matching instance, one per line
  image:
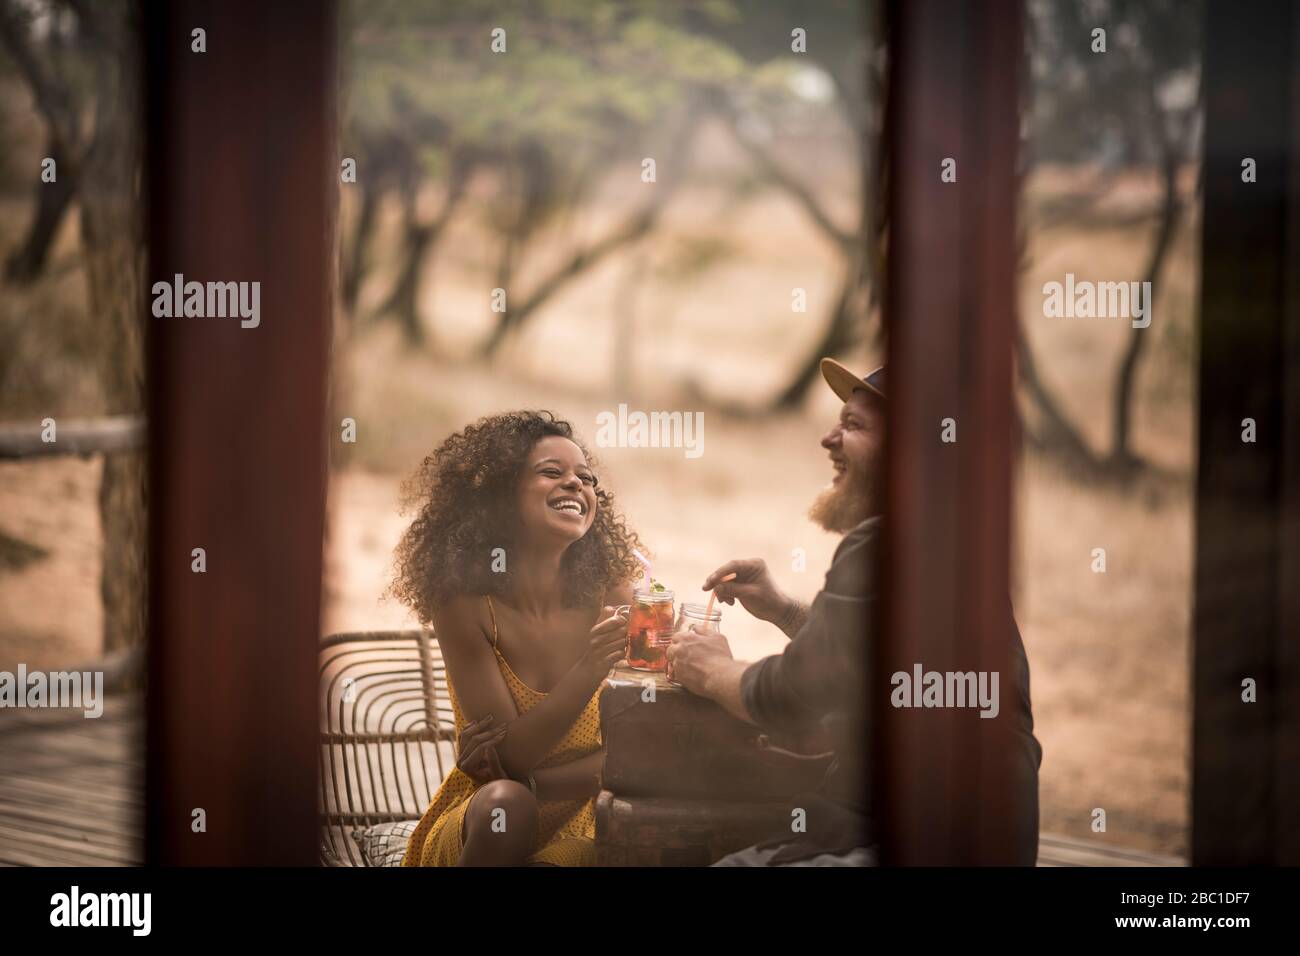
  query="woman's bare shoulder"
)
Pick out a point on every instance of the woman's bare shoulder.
point(462, 618)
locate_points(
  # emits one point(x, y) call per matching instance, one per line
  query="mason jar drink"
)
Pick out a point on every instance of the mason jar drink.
point(709, 619)
point(651, 611)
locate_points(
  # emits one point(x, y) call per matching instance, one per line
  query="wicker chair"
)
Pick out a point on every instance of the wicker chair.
point(387, 734)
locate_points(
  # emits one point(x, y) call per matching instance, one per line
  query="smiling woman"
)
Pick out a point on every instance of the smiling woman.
point(558, 478)
point(518, 559)
point(472, 495)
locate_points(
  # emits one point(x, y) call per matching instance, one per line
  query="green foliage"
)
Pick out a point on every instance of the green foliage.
point(575, 75)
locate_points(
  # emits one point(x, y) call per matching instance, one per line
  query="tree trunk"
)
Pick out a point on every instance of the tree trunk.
point(841, 332)
point(861, 284)
point(122, 508)
point(418, 239)
point(863, 255)
point(354, 265)
point(638, 225)
point(1121, 455)
point(1056, 433)
point(623, 379)
point(111, 232)
point(60, 109)
point(403, 302)
point(52, 201)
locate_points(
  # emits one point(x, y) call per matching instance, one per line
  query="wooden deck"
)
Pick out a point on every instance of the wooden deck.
point(72, 788)
point(71, 794)
point(1054, 850)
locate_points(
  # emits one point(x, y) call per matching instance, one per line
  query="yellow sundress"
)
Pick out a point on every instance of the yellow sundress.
point(566, 829)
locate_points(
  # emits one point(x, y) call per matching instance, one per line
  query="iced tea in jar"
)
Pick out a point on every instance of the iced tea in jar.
point(651, 611)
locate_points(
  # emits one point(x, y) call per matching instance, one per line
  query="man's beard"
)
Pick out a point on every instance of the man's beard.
point(844, 506)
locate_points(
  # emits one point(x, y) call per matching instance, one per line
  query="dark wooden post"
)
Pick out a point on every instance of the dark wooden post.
point(943, 783)
point(241, 178)
point(1246, 756)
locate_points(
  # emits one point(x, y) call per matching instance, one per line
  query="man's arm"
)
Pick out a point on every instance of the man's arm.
point(793, 690)
point(795, 617)
point(723, 687)
point(825, 663)
point(748, 581)
point(702, 663)
point(787, 691)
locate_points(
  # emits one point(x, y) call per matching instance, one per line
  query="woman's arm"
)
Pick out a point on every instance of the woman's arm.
point(575, 780)
point(578, 779)
point(532, 736)
point(473, 669)
point(471, 664)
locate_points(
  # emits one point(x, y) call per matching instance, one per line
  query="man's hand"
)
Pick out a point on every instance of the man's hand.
point(694, 656)
point(753, 587)
point(701, 661)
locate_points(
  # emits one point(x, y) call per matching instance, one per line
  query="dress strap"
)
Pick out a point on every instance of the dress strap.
point(492, 611)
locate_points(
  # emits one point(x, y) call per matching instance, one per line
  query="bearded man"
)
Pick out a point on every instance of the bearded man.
point(821, 677)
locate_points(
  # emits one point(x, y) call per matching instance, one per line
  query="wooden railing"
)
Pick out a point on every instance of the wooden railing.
point(80, 436)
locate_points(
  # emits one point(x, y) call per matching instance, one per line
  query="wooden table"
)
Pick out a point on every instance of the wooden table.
point(685, 782)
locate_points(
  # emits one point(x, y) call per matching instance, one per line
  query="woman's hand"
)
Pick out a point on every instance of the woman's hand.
point(607, 644)
point(476, 751)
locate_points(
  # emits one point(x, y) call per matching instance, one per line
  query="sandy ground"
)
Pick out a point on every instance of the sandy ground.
point(50, 612)
point(1109, 657)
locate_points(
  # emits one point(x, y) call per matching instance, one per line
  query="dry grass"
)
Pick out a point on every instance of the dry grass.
point(1109, 654)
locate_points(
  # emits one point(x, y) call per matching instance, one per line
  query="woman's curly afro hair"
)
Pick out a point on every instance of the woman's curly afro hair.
point(466, 496)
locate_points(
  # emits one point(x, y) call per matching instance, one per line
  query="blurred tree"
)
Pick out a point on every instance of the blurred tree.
point(101, 96)
point(61, 86)
point(1136, 104)
point(844, 42)
point(577, 90)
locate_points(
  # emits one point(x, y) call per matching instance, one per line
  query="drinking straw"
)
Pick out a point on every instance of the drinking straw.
point(645, 566)
point(713, 596)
